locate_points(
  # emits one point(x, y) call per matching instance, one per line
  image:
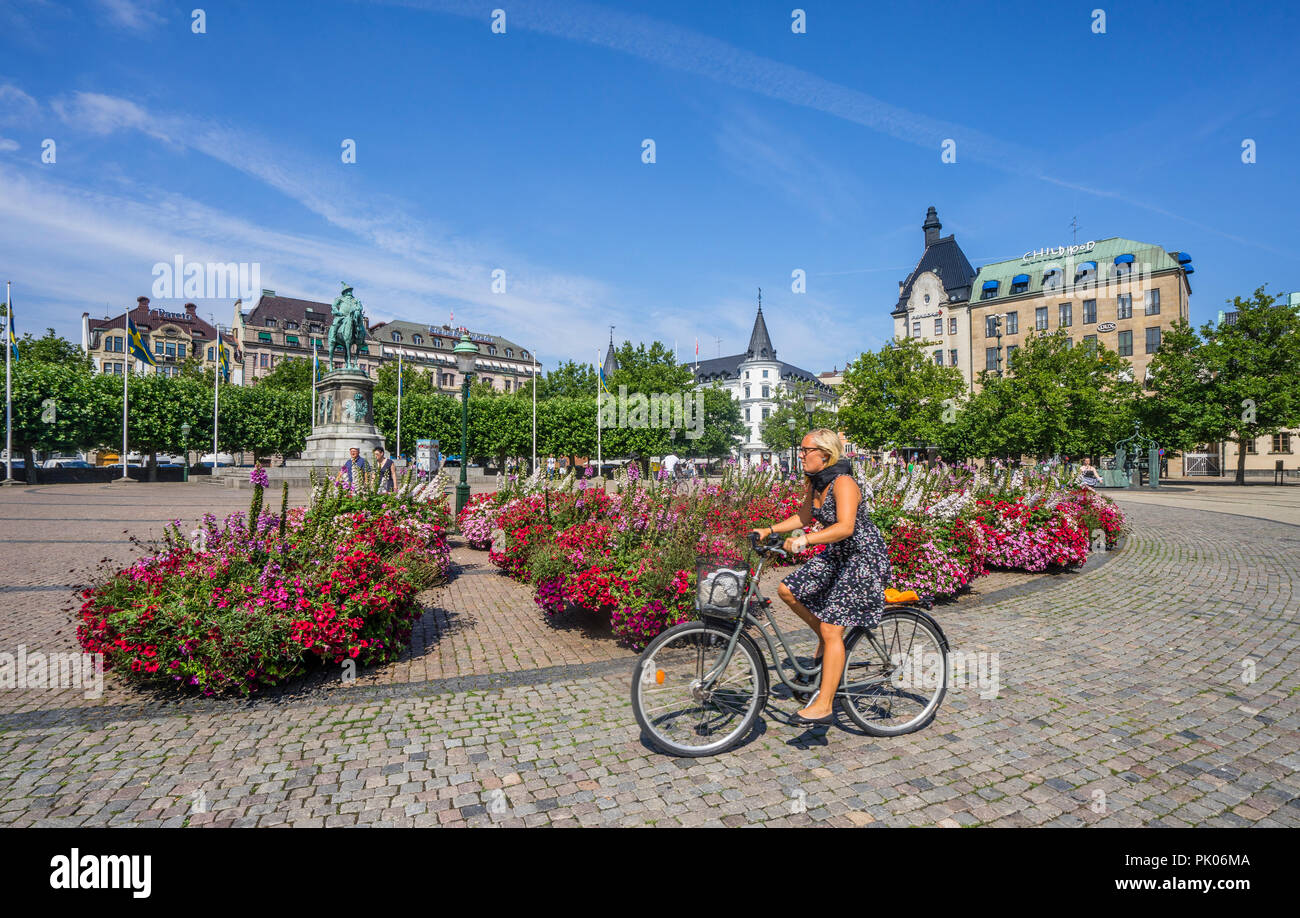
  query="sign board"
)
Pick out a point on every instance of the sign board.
point(1106, 327)
point(427, 456)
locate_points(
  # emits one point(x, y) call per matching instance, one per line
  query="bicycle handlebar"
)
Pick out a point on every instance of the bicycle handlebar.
point(771, 544)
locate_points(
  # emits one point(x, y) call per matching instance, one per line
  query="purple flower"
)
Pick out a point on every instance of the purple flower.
point(258, 477)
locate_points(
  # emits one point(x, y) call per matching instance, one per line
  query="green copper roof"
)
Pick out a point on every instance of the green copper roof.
point(1103, 252)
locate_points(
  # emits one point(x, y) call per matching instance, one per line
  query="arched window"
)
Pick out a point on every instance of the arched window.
point(417, 339)
point(397, 336)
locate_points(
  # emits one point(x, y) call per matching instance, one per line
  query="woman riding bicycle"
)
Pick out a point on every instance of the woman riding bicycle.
point(844, 586)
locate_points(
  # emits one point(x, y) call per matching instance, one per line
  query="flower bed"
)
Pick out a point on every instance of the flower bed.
point(631, 554)
point(254, 601)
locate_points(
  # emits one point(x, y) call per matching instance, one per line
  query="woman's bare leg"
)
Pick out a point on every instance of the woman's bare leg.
point(832, 667)
point(799, 609)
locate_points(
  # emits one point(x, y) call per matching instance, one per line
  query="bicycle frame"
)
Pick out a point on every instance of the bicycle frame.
point(748, 618)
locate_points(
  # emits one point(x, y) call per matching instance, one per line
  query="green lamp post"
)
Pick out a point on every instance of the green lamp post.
point(465, 351)
point(185, 447)
point(790, 423)
point(810, 405)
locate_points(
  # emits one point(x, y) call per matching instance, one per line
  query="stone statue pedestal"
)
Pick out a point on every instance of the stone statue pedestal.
point(345, 417)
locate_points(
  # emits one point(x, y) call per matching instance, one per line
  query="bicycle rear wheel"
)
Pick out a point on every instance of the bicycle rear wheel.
point(675, 709)
point(895, 674)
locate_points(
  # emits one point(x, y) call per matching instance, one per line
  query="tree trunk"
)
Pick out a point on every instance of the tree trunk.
point(29, 463)
point(153, 465)
point(1241, 461)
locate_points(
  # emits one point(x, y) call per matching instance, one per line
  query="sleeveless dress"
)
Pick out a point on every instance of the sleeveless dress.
point(845, 584)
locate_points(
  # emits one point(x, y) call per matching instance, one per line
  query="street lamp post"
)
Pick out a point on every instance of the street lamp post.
point(185, 446)
point(809, 404)
point(465, 351)
point(790, 423)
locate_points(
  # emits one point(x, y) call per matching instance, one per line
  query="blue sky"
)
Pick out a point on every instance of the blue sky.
point(522, 152)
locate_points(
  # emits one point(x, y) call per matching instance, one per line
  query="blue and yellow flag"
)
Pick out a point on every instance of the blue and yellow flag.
point(604, 385)
point(13, 342)
point(225, 362)
point(136, 346)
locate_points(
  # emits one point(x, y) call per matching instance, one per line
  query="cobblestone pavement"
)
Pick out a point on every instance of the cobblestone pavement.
point(1157, 688)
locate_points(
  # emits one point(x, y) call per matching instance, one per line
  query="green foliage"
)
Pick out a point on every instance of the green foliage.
point(51, 348)
point(724, 428)
point(649, 370)
point(568, 380)
point(263, 419)
point(293, 375)
point(898, 396)
point(776, 431)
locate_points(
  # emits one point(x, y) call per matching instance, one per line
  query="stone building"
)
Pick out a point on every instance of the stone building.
point(172, 338)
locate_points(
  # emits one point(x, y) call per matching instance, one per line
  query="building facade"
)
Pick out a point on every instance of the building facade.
point(1115, 292)
point(280, 328)
point(934, 300)
point(757, 380)
point(172, 338)
point(500, 363)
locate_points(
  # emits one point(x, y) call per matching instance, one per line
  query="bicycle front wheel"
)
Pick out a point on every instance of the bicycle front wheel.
point(684, 703)
point(896, 674)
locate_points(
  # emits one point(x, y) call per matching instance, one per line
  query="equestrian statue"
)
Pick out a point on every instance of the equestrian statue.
point(348, 329)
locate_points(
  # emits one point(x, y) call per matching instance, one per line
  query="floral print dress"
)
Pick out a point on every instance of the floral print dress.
point(845, 584)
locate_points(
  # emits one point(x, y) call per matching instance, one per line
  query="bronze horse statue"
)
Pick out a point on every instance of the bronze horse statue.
point(348, 329)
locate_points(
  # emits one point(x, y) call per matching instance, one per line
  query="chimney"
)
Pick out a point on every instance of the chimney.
point(191, 308)
point(931, 227)
point(142, 302)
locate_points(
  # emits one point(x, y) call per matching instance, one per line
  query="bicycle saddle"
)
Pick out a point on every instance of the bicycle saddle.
point(892, 595)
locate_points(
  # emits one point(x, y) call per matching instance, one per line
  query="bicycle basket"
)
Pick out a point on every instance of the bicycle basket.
point(721, 590)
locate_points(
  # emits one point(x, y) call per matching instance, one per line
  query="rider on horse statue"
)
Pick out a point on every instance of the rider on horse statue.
point(348, 330)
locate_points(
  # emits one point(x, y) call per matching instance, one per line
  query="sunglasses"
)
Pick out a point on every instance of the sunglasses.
point(809, 449)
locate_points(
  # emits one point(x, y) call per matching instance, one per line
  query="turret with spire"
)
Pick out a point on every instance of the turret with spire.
point(611, 359)
point(760, 345)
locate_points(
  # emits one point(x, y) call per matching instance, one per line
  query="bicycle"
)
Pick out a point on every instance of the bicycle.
point(699, 687)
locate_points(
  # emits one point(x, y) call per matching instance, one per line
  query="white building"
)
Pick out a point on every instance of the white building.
point(756, 379)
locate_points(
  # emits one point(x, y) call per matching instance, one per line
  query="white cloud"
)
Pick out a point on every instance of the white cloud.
point(7, 145)
point(101, 114)
point(135, 15)
point(16, 106)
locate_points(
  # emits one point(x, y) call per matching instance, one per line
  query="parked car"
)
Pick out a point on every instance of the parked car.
point(222, 459)
point(59, 463)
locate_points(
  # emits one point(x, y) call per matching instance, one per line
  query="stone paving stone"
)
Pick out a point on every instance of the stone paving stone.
point(1117, 680)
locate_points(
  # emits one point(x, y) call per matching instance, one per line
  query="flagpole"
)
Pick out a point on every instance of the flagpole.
point(126, 376)
point(534, 467)
point(399, 404)
point(9, 403)
point(600, 461)
point(216, 395)
point(315, 371)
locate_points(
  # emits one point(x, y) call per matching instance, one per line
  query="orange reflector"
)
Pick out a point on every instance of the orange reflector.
point(659, 676)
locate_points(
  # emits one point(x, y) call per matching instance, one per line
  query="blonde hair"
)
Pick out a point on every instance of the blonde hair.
point(829, 441)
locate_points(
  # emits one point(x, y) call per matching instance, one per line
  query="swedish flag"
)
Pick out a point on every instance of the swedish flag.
point(13, 342)
point(604, 385)
point(136, 346)
point(225, 362)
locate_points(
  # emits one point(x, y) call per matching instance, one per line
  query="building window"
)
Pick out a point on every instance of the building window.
point(1250, 447)
point(1124, 308)
point(938, 326)
point(1069, 343)
point(1153, 302)
point(916, 329)
point(290, 340)
point(990, 290)
point(938, 358)
point(746, 391)
point(448, 379)
point(487, 379)
point(747, 418)
point(747, 374)
point(1040, 318)
point(1126, 344)
point(990, 326)
point(1281, 443)
point(1065, 312)
point(1089, 312)
point(990, 358)
point(952, 358)
point(766, 411)
point(952, 325)
point(492, 349)
point(437, 342)
point(212, 354)
point(270, 323)
point(290, 324)
point(265, 361)
point(397, 336)
point(510, 352)
point(264, 337)
point(1011, 349)
point(417, 339)
point(507, 385)
point(765, 374)
point(1013, 323)
point(1090, 342)
point(767, 392)
point(1019, 286)
point(1052, 279)
point(180, 350)
point(1153, 339)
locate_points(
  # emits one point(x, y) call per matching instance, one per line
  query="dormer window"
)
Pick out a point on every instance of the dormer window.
point(1019, 284)
point(510, 352)
point(270, 323)
point(397, 336)
point(1053, 279)
point(989, 291)
point(1086, 273)
point(492, 350)
point(437, 342)
point(290, 324)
